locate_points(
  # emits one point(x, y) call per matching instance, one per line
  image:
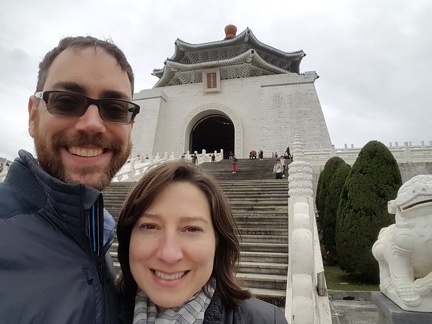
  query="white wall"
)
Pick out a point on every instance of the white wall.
point(266, 112)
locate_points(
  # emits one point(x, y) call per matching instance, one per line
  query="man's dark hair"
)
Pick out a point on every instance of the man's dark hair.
point(82, 42)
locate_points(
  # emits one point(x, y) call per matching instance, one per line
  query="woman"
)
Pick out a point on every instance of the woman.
point(178, 247)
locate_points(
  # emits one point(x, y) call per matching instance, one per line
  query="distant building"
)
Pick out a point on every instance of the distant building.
point(236, 94)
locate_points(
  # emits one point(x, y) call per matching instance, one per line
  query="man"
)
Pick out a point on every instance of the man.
point(54, 231)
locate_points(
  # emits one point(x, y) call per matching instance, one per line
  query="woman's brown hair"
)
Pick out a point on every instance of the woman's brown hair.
point(227, 252)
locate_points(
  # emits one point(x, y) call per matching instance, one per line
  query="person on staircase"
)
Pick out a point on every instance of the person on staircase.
point(54, 230)
point(178, 247)
point(234, 164)
point(283, 162)
point(278, 169)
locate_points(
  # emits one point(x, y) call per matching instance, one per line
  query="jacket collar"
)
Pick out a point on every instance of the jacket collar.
point(65, 204)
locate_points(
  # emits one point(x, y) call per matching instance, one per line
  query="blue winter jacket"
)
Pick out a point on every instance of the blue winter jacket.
point(52, 250)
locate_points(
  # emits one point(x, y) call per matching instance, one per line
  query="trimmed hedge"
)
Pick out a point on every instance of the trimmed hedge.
point(324, 183)
point(373, 181)
point(331, 207)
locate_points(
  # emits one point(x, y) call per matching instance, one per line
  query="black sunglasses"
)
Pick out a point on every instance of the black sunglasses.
point(66, 103)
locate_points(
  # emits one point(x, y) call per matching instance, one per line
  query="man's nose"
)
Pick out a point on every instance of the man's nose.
point(91, 122)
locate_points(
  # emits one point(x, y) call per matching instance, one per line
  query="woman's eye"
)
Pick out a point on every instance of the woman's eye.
point(193, 229)
point(147, 226)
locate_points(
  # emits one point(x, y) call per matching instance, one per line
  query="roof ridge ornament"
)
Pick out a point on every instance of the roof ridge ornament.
point(230, 31)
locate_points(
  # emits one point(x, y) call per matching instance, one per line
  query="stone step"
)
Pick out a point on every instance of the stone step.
point(263, 257)
point(266, 220)
point(264, 247)
point(264, 238)
point(263, 268)
point(252, 224)
point(263, 231)
point(272, 296)
point(263, 281)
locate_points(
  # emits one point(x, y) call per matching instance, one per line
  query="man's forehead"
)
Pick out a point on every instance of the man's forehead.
point(80, 53)
point(89, 65)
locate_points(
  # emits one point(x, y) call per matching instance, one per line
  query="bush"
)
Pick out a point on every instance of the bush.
point(331, 207)
point(323, 184)
point(373, 181)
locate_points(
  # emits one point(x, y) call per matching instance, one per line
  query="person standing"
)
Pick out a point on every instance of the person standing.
point(194, 158)
point(283, 162)
point(54, 230)
point(278, 169)
point(178, 250)
point(234, 164)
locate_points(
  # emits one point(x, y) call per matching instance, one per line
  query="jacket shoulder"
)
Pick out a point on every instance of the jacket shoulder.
point(13, 201)
point(255, 311)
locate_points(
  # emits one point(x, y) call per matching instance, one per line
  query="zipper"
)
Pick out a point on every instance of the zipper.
point(96, 233)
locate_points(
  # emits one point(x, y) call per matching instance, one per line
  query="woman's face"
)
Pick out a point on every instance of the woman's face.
point(172, 245)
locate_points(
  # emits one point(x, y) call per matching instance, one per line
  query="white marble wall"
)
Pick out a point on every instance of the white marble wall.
point(266, 112)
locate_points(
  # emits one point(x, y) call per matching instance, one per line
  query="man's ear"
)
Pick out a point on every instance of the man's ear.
point(33, 111)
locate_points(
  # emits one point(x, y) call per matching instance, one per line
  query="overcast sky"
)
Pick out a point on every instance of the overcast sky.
point(374, 57)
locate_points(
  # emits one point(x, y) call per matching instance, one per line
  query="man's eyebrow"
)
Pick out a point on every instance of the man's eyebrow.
point(78, 88)
point(69, 86)
point(113, 94)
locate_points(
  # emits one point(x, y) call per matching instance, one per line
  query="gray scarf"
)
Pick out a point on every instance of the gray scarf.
point(191, 312)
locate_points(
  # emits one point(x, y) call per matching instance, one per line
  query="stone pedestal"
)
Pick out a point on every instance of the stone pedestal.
point(390, 313)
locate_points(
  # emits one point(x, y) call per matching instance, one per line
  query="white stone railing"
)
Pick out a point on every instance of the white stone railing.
point(306, 296)
point(402, 154)
point(136, 166)
point(3, 173)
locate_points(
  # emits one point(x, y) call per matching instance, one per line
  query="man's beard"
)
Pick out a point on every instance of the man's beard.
point(49, 158)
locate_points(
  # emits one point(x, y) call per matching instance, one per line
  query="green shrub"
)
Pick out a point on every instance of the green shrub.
point(323, 184)
point(373, 181)
point(331, 207)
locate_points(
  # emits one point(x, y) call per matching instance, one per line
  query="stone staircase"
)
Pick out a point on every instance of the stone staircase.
point(260, 206)
point(246, 169)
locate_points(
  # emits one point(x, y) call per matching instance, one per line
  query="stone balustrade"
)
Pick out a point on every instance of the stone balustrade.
point(403, 154)
point(136, 166)
point(306, 297)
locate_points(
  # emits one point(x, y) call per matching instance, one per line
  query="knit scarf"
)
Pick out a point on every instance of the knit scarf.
point(191, 312)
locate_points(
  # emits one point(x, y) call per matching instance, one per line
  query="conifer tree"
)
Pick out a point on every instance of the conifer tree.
point(373, 181)
point(323, 185)
point(331, 208)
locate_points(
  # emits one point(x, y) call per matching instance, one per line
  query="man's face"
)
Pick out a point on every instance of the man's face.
point(82, 149)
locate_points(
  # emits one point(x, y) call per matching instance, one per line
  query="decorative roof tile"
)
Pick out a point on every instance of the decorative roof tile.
point(244, 52)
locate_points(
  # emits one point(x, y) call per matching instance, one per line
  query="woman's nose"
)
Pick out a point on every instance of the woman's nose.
point(170, 250)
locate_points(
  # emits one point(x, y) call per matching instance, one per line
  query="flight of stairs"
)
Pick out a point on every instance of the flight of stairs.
point(260, 206)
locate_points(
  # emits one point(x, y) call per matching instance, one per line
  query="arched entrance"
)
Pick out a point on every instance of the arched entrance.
point(213, 133)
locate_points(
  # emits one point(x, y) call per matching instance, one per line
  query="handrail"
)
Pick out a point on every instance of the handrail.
point(306, 297)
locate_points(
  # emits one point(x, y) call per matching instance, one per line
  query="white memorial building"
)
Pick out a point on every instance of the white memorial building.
point(235, 94)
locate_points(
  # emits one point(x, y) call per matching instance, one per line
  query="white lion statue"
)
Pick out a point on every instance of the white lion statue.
point(404, 249)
